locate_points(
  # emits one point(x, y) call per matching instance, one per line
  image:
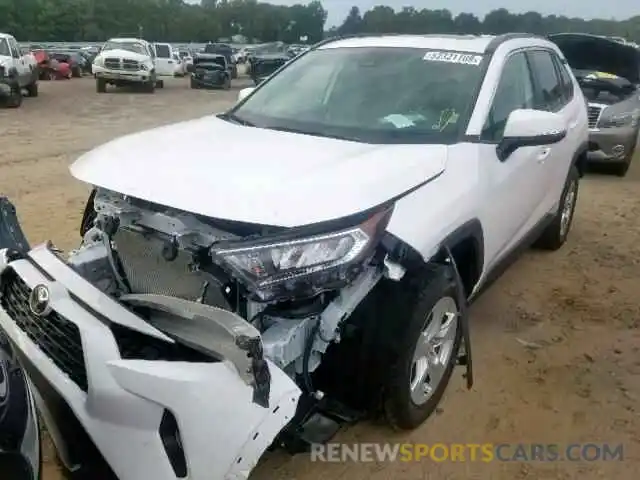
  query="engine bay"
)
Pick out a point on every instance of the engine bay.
point(139, 248)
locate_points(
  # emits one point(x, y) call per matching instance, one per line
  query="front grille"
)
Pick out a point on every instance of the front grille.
point(112, 63)
point(58, 338)
point(131, 65)
point(594, 113)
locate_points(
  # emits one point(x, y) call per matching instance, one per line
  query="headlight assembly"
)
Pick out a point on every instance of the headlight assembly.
point(627, 119)
point(300, 263)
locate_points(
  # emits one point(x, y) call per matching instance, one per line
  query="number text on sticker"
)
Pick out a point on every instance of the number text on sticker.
point(453, 57)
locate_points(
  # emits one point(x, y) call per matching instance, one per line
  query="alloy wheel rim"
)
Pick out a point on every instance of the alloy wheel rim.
point(567, 209)
point(433, 350)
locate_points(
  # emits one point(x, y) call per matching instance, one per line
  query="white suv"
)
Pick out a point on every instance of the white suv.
point(215, 308)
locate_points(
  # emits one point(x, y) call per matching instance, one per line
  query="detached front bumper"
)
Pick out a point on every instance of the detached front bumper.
point(611, 144)
point(146, 419)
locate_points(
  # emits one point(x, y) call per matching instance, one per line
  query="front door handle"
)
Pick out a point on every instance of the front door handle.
point(544, 154)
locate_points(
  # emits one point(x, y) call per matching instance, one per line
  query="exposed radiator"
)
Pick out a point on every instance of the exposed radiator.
point(147, 271)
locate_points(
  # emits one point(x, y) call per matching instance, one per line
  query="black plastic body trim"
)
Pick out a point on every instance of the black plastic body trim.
point(508, 260)
point(470, 229)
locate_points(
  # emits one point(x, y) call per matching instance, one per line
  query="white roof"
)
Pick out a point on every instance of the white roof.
point(126, 40)
point(461, 43)
point(4, 35)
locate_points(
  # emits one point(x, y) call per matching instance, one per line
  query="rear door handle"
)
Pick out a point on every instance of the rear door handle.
point(543, 154)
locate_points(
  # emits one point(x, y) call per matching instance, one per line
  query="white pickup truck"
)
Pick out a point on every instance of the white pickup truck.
point(18, 72)
point(134, 62)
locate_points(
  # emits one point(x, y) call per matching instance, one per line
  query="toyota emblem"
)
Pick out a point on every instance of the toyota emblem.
point(39, 301)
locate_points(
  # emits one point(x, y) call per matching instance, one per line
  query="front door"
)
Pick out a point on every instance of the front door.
point(165, 64)
point(512, 188)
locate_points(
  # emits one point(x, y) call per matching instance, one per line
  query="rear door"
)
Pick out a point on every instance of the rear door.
point(165, 64)
point(553, 95)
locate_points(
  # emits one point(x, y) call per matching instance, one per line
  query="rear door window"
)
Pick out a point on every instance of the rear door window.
point(550, 95)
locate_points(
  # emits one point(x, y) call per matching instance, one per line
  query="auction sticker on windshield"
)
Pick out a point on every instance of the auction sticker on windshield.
point(453, 57)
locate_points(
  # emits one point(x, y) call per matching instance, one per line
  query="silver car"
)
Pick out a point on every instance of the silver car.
point(609, 74)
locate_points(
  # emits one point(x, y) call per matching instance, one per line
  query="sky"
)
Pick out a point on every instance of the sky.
point(618, 9)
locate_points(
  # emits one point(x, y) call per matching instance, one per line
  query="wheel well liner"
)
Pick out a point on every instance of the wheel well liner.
point(580, 158)
point(466, 244)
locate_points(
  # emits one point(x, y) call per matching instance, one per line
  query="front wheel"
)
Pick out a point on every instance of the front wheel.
point(427, 347)
point(14, 100)
point(101, 85)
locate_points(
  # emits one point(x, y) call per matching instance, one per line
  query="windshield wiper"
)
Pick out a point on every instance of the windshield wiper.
point(231, 117)
point(314, 134)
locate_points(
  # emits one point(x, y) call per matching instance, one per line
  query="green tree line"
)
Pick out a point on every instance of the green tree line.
point(177, 21)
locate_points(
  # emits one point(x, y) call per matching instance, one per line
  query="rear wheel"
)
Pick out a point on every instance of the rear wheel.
point(555, 235)
point(227, 83)
point(193, 83)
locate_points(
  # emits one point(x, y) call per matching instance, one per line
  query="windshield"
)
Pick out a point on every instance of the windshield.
point(135, 47)
point(369, 94)
point(4, 48)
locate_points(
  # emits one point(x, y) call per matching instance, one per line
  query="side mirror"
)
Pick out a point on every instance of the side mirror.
point(244, 93)
point(530, 128)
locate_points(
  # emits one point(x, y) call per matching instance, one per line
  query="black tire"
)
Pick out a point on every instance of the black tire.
point(14, 100)
point(555, 235)
point(149, 87)
point(413, 301)
point(89, 215)
point(159, 83)
point(15, 413)
point(101, 85)
point(193, 84)
point(32, 89)
point(227, 83)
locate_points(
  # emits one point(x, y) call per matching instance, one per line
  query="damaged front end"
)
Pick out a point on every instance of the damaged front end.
point(179, 332)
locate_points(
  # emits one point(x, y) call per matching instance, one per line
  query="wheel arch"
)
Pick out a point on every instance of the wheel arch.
point(466, 244)
point(580, 158)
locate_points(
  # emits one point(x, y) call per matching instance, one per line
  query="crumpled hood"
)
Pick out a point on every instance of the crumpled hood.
point(257, 175)
point(598, 54)
point(118, 53)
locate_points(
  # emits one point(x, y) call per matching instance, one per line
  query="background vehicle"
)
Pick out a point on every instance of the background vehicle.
point(126, 62)
point(18, 72)
point(608, 72)
point(227, 51)
point(75, 61)
point(263, 65)
point(210, 70)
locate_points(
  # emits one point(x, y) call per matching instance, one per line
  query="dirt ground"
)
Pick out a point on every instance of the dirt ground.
point(555, 340)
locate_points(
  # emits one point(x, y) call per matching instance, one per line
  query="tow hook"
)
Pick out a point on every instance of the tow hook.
point(464, 358)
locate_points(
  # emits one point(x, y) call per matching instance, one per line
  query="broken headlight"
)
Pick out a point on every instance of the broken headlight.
point(301, 263)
